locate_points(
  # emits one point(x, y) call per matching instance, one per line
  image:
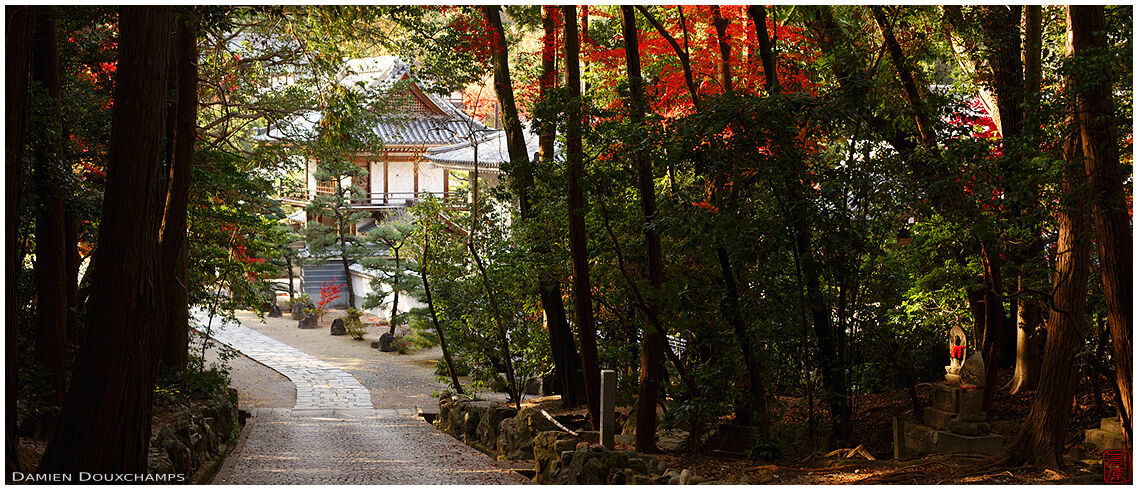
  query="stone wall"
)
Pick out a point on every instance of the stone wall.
point(559, 456)
point(193, 440)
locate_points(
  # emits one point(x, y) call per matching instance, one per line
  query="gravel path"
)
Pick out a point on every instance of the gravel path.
point(257, 384)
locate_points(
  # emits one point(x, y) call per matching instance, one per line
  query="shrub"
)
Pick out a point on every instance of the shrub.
point(353, 324)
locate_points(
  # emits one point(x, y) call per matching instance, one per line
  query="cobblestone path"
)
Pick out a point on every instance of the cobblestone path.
point(334, 436)
point(319, 385)
point(376, 447)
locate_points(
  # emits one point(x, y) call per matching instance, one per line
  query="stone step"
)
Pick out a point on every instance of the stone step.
point(1111, 424)
point(1104, 439)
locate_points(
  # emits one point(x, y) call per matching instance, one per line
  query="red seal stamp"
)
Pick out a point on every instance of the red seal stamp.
point(1116, 466)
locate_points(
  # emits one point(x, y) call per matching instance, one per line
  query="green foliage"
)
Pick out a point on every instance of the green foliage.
point(353, 324)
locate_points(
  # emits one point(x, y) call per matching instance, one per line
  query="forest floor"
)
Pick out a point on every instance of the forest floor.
point(804, 460)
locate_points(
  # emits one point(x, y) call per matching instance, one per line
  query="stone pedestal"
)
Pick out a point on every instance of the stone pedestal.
point(945, 406)
point(917, 440)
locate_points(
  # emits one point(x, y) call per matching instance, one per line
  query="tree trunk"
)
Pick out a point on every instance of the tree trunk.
point(174, 245)
point(578, 248)
point(908, 83)
point(565, 360)
point(724, 49)
point(1028, 355)
point(652, 346)
point(1028, 317)
point(993, 321)
point(51, 231)
point(291, 288)
point(829, 348)
point(1087, 25)
point(758, 15)
point(395, 291)
point(19, 27)
point(435, 319)
point(685, 60)
point(503, 339)
point(1040, 441)
point(105, 423)
point(342, 228)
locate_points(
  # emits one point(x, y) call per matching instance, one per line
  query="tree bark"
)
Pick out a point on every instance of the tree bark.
point(105, 423)
point(908, 83)
point(685, 60)
point(724, 49)
point(565, 360)
point(51, 231)
point(1095, 107)
point(652, 345)
point(172, 234)
point(394, 290)
point(1028, 318)
point(758, 15)
point(578, 248)
point(435, 319)
point(19, 26)
point(1040, 441)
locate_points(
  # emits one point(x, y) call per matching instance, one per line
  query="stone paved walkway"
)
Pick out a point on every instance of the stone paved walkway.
point(319, 385)
point(334, 436)
point(343, 448)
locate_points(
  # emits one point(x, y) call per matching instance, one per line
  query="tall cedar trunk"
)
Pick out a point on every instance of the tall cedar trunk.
point(434, 318)
point(71, 273)
point(993, 320)
point(999, 25)
point(1028, 317)
point(758, 15)
point(578, 251)
point(174, 246)
point(1040, 441)
point(1087, 25)
point(652, 346)
point(724, 49)
point(105, 422)
point(51, 232)
point(17, 55)
point(565, 360)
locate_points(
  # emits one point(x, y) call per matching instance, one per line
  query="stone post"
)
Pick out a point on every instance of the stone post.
point(608, 408)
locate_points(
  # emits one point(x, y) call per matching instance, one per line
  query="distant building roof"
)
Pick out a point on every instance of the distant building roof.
point(492, 152)
point(417, 118)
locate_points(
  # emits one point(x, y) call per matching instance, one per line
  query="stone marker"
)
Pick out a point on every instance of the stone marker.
point(275, 311)
point(338, 327)
point(608, 407)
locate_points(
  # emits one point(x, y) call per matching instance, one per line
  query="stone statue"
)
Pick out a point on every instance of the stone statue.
point(957, 349)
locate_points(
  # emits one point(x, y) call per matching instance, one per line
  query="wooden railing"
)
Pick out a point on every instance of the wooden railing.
point(374, 199)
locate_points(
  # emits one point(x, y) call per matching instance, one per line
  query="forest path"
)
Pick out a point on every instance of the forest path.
point(334, 436)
